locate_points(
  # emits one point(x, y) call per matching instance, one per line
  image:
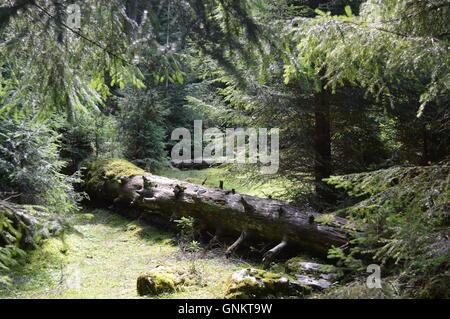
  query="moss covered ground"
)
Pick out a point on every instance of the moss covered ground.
point(104, 256)
point(106, 253)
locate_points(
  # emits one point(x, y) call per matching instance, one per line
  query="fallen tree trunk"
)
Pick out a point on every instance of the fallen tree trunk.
point(192, 165)
point(221, 211)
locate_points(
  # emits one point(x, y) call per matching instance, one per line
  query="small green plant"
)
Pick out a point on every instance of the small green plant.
point(188, 234)
point(23, 228)
point(326, 219)
point(194, 246)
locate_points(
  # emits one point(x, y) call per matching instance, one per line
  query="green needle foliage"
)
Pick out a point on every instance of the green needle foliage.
point(406, 213)
point(30, 166)
point(41, 58)
point(387, 39)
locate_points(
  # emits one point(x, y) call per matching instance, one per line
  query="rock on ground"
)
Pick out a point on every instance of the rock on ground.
point(317, 276)
point(158, 281)
point(256, 283)
point(302, 278)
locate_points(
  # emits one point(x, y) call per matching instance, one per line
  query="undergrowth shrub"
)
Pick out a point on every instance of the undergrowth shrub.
point(405, 211)
point(188, 234)
point(143, 128)
point(34, 194)
point(89, 136)
point(30, 166)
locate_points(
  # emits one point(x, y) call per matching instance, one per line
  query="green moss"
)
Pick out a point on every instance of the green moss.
point(112, 169)
point(132, 227)
point(179, 190)
point(148, 184)
point(118, 258)
point(293, 264)
point(157, 282)
point(180, 187)
point(256, 283)
point(165, 280)
point(22, 229)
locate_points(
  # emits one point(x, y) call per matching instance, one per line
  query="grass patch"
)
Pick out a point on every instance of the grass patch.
point(241, 183)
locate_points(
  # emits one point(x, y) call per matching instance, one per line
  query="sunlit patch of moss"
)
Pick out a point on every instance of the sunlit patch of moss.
point(113, 169)
point(157, 281)
point(105, 254)
point(131, 227)
point(167, 279)
point(22, 229)
point(180, 187)
point(311, 268)
point(54, 246)
point(290, 266)
point(39, 272)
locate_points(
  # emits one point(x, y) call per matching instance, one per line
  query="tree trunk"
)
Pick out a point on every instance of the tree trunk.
point(131, 10)
point(227, 212)
point(322, 146)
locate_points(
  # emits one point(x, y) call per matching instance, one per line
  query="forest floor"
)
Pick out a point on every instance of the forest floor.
point(105, 254)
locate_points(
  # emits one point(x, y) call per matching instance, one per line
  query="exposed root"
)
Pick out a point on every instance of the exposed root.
point(236, 244)
point(272, 253)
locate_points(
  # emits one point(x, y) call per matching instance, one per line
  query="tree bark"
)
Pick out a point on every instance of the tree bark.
point(159, 198)
point(322, 146)
point(131, 10)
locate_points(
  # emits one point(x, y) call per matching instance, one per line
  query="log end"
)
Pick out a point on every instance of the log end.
point(112, 169)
